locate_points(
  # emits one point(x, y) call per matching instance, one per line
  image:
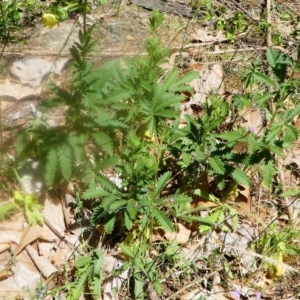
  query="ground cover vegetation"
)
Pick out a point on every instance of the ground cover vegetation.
point(122, 120)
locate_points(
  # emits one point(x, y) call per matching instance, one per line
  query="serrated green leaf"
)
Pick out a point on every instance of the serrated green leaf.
point(138, 288)
point(108, 200)
point(117, 205)
point(231, 136)
point(82, 261)
point(187, 78)
point(234, 218)
point(94, 193)
point(121, 94)
point(268, 173)
point(291, 133)
point(78, 287)
point(291, 114)
point(239, 176)
point(65, 160)
point(170, 99)
point(51, 167)
point(75, 55)
point(170, 78)
point(263, 99)
point(180, 199)
point(78, 144)
point(217, 164)
point(128, 222)
point(96, 283)
point(272, 56)
point(167, 113)
point(162, 219)
point(132, 209)
point(273, 131)
point(103, 141)
point(161, 183)
point(109, 223)
point(290, 192)
point(126, 250)
point(260, 77)
point(214, 217)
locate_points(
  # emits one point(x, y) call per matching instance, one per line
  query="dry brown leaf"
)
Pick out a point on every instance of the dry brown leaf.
point(7, 237)
point(297, 121)
point(63, 251)
point(68, 208)
point(210, 80)
point(111, 286)
point(243, 199)
point(193, 295)
point(41, 262)
point(292, 157)
point(32, 70)
point(45, 248)
point(252, 120)
point(16, 91)
point(181, 236)
point(32, 233)
point(24, 278)
point(53, 212)
point(206, 36)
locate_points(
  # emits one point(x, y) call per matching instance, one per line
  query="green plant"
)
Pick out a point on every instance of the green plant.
point(233, 25)
point(61, 9)
point(122, 119)
point(9, 17)
point(277, 244)
point(104, 108)
point(88, 124)
point(89, 270)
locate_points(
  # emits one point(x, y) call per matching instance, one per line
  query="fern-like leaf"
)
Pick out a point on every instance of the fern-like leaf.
point(239, 176)
point(180, 199)
point(78, 286)
point(217, 164)
point(187, 78)
point(128, 221)
point(94, 194)
point(103, 141)
point(109, 223)
point(268, 173)
point(161, 183)
point(51, 167)
point(117, 205)
point(78, 143)
point(96, 280)
point(132, 209)
point(162, 219)
point(65, 159)
point(291, 134)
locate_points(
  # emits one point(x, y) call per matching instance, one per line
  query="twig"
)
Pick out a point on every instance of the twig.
point(244, 11)
point(269, 32)
point(241, 50)
point(263, 257)
point(42, 53)
point(193, 283)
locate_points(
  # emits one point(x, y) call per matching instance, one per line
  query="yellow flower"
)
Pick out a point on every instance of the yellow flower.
point(150, 137)
point(49, 20)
